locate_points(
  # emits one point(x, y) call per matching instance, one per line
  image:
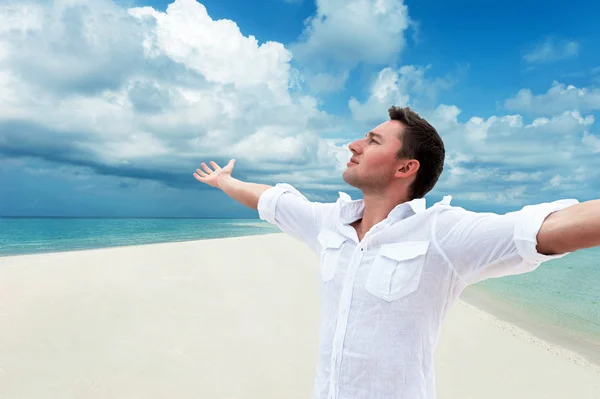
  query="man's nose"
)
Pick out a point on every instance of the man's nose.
point(355, 147)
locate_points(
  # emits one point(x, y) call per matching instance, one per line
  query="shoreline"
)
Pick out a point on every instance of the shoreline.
point(134, 245)
point(552, 338)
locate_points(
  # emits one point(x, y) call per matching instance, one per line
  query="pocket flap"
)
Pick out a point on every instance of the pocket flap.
point(330, 239)
point(404, 250)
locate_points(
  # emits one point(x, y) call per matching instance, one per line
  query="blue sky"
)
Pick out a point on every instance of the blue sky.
point(107, 107)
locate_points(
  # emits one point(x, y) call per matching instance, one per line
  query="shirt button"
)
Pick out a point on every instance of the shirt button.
point(362, 249)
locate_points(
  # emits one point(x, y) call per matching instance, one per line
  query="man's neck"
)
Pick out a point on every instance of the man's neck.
point(377, 208)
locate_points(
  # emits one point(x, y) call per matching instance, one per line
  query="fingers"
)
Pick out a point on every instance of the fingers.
point(198, 177)
point(206, 168)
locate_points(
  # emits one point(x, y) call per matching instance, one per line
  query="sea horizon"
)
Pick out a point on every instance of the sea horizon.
point(36, 235)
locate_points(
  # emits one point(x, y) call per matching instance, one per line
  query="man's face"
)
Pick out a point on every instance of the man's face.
point(374, 162)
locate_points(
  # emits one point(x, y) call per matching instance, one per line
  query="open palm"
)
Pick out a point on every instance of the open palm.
point(212, 177)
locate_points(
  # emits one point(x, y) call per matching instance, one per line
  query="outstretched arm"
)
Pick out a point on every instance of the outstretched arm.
point(570, 229)
point(281, 204)
point(243, 192)
point(487, 245)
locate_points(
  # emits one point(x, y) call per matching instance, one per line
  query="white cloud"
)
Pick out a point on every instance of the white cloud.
point(182, 88)
point(591, 141)
point(386, 90)
point(523, 177)
point(559, 98)
point(166, 96)
point(556, 181)
point(511, 158)
point(508, 196)
point(216, 49)
point(551, 50)
point(565, 123)
point(582, 174)
point(500, 151)
point(477, 129)
point(325, 82)
point(406, 86)
point(69, 46)
point(277, 148)
point(344, 33)
point(349, 32)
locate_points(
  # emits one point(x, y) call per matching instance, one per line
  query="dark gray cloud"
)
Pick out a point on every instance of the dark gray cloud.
point(26, 139)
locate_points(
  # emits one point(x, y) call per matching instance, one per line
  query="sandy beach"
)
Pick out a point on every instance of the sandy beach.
point(226, 319)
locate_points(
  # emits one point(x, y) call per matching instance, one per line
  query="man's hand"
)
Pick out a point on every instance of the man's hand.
point(244, 193)
point(213, 178)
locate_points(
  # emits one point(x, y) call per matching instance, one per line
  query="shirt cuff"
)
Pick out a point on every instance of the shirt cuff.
point(267, 202)
point(528, 226)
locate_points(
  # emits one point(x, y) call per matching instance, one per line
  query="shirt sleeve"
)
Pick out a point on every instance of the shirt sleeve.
point(288, 209)
point(487, 245)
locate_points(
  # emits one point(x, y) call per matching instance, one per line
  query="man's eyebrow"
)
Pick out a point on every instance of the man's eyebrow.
point(375, 134)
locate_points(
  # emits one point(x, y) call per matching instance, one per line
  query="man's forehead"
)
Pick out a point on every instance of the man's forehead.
point(389, 129)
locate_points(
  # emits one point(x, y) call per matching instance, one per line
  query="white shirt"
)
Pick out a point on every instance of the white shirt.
point(384, 298)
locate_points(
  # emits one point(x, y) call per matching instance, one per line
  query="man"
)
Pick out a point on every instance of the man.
point(391, 267)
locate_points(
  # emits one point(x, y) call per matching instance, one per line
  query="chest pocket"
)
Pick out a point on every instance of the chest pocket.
point(396, 269)
point(331, 248)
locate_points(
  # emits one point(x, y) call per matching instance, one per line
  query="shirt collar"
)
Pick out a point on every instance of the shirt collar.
point(352, 210)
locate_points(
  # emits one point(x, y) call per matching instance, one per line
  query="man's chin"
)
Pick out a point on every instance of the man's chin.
point(350, 179)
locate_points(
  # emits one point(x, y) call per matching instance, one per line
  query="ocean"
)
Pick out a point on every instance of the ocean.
point(20, 236)
point(562, 294)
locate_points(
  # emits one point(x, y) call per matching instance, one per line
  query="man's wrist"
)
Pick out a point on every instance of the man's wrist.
point(223, 180)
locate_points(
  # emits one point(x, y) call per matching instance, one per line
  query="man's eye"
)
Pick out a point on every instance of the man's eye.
point(372, 141)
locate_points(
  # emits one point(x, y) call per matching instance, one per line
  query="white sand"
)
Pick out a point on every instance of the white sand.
point(228, 318)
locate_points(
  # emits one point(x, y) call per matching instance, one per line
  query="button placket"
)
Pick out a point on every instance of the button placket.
point(343, 313)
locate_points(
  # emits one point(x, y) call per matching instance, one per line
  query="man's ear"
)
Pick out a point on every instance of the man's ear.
point(407, 168)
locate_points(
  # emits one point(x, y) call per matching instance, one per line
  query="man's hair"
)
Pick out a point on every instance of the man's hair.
point(422, 142)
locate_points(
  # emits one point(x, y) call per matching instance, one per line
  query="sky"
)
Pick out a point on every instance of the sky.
point(108, 107)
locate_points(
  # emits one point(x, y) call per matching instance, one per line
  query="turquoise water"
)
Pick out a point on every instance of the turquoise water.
point(563, 293)
point(19, 236)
